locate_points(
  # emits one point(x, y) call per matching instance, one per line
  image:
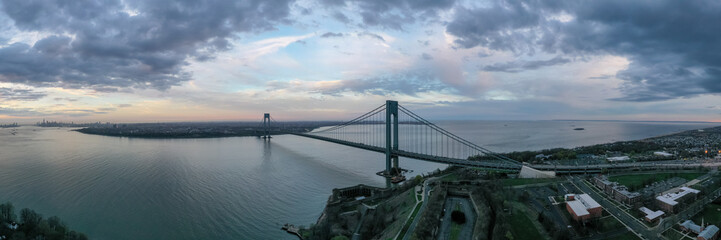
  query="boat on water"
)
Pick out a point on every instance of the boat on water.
point(579, 129)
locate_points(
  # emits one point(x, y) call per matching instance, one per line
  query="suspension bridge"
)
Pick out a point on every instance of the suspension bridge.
point(395, 131)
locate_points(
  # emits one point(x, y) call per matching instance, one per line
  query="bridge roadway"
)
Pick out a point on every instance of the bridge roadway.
point(496, 165)
point(640, 166)
point(506, 166)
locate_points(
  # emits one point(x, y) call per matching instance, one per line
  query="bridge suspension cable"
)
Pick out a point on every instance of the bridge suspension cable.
point(460, 142)
point(399, 132)
point(416, 136)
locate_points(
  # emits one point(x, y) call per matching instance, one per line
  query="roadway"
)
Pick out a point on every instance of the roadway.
point(446, 222)
point(495, 165)
point(501, 165)
point(623, 217)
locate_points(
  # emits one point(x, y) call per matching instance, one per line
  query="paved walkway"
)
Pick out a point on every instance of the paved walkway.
point(426, 191)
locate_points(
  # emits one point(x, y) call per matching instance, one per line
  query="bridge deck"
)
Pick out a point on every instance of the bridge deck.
point(500, 165)
point(505, 166)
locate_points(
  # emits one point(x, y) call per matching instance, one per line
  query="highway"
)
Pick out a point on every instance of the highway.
point(507, 166)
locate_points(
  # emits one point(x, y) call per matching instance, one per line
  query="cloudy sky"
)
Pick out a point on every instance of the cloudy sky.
point(148, 61)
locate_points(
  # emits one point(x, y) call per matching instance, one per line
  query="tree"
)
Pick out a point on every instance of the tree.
point(57, 225)
point(509, 236)
point(30, 220)
point(7, 213)
point(73, 235)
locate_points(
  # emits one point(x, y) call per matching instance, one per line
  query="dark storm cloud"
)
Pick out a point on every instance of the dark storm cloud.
point(673, 46)
point(519, 66)
point(111, 49)
point(394, 14)
point(8, 94)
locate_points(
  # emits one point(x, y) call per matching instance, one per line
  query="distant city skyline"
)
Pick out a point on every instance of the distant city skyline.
point(171, 61)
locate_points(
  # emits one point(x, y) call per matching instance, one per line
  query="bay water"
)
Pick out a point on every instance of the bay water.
point(237, 187)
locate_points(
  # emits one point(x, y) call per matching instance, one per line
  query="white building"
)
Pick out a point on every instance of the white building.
point(669, 201)
point(663, 154)
point(651, 216)
point(618, 159)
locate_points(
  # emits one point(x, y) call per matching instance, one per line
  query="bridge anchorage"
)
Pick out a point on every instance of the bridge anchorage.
point(395, 131)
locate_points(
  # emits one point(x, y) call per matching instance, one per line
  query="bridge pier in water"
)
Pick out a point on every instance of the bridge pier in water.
point(391, 139)
point(266, 126)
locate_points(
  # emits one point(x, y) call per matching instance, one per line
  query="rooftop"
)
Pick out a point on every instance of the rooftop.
point(624, 191)
point(587, 201)
point(578, 207)
point(670, 198)
point(690, 225)
point(708, 232)
point(651, 215)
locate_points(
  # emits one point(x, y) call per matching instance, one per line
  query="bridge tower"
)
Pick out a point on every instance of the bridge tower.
point(391, 136)
point(266, 126)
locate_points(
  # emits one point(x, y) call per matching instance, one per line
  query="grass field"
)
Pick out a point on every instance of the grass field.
point(671, 234)
point(638, 179)
point(522, 227)
point(524, 181)
point(627, 236)
point(609, 224)
point(450, 177)
point(711, 215)
point(455, 231)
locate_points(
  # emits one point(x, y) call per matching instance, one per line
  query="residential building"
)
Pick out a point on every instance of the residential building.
point(622, 195)
point(651, 216)
point(671, 202)
point(709, 233)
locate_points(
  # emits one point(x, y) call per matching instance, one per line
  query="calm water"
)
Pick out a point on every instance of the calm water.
point(230, 188)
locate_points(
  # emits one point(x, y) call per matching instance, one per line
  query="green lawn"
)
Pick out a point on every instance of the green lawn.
point(522, 227)
point(450, 177)
point(524, 181)
point(455, 227)
point(609, 224)
point(455, 231)
point(671, 234)
point(711, 215)
point(628, 236)
point(636, 180)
